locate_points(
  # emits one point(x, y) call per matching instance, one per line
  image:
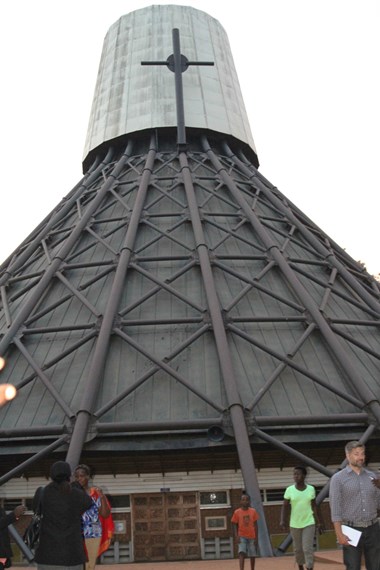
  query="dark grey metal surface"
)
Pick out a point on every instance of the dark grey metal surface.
point(279, 353)
point(270, 325)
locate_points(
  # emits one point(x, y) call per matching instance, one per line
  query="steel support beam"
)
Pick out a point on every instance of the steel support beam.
point(149, 373)
point(269, 190)
point(235, 405)
point(169, 370)
point(49, 274)
point(95, 374)
point(180, 425)
point(53, 218)
point(343, 357)
point(40, 455)
point(292, 364)
point(293, 452)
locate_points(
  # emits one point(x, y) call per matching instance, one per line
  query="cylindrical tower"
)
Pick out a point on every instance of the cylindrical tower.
point(131, 98)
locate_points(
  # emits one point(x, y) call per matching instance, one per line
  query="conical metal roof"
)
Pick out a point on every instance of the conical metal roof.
point(124, 249)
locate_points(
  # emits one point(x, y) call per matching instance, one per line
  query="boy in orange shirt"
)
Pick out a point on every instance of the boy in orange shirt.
point(244, 522)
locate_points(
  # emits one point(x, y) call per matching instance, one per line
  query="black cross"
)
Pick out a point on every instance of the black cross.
point(178, 63)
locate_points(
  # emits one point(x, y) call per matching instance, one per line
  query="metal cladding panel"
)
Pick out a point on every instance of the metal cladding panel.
point(130, 97)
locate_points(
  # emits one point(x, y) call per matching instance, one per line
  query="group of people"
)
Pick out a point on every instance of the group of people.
point(354, 504)
point(77, 525)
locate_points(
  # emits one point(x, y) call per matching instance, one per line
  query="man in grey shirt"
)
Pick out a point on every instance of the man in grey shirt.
point(355, 501)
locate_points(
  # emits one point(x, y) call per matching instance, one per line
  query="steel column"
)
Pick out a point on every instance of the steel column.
point(233, 397)
point(95, 374)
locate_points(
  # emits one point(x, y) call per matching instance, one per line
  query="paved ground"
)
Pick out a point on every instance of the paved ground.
point(325, 560)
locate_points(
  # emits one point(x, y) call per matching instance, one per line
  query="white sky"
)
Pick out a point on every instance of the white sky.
point(308, 71)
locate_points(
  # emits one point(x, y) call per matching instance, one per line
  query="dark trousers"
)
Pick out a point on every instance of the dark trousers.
point(369, 545)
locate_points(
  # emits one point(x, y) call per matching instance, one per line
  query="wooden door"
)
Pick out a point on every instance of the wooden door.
point(183, 541)
point(165, 527)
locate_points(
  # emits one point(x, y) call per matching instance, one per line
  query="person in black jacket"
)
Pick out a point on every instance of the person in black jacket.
point(5, 543)
point(61, 541)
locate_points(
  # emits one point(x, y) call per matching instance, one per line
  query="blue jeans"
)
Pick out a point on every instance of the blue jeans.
point(247, 547)
point(369, 545)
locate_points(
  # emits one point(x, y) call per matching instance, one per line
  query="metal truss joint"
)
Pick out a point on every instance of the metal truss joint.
point(372, 420)
point(92, 430)
point(250, 421)
point(227, 424)
point(309, 319)
point(117, 322)
point(206, 318)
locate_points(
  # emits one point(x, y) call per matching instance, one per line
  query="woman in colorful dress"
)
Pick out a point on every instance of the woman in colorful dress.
point(97, 522)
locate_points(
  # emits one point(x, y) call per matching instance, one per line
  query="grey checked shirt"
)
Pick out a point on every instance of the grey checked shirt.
point(353, 497)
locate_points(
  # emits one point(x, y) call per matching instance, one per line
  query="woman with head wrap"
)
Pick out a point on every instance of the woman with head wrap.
point(61, 543)
point(97, 522)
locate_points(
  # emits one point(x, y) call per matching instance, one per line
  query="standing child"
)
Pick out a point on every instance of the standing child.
point(244, 522)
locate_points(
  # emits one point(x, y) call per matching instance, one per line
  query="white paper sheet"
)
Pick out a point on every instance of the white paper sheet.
point(353, 534)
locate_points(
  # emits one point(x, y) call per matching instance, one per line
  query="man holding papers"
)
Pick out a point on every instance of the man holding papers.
point(354, 504)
